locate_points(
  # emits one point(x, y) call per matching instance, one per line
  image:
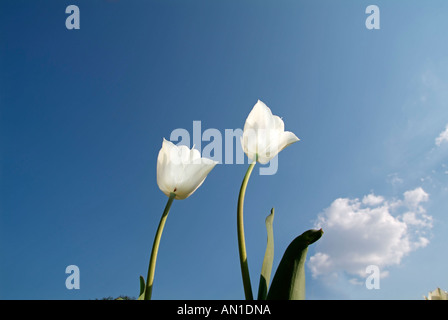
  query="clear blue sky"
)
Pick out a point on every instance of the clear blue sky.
point(83, 114)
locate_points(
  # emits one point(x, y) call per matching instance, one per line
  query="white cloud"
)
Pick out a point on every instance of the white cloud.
point(356, 281)
point(372, 199)
point(443, 136)
point(370, 232)
point(413, 198)
point(411, 219)
point(394, 179)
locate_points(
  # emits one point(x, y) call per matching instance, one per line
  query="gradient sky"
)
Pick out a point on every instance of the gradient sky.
point(83, 114)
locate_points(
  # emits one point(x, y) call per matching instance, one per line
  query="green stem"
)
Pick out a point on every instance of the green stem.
point(155, 248)
point(241, 240)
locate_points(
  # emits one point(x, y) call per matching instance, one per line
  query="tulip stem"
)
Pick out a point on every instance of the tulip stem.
point(155, 248)
point(241, 241)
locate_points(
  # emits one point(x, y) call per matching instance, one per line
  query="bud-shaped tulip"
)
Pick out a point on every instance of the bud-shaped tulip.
point(264, 134)
point(181, 170)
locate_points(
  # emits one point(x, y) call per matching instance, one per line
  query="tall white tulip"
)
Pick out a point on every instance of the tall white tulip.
point(264, 134)
point(180, 171)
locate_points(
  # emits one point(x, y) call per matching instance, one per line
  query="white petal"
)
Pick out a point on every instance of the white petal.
point(166, 167)
point(194, 175)
point(287, 139)
point(259, 118)
point(264, 134)
point(249, 143)
point(181, 170)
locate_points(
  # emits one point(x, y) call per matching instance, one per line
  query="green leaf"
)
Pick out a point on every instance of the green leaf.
point(266, 268)
point(289, 279)
point(142, 289)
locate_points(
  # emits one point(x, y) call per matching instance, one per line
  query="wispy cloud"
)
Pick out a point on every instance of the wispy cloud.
point(443, 137)
point(371, 231)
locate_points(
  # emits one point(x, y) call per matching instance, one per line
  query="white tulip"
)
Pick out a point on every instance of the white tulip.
point(181, 170)
point(264, 134)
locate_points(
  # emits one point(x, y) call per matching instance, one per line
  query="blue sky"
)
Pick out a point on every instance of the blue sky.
point(83, 114)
